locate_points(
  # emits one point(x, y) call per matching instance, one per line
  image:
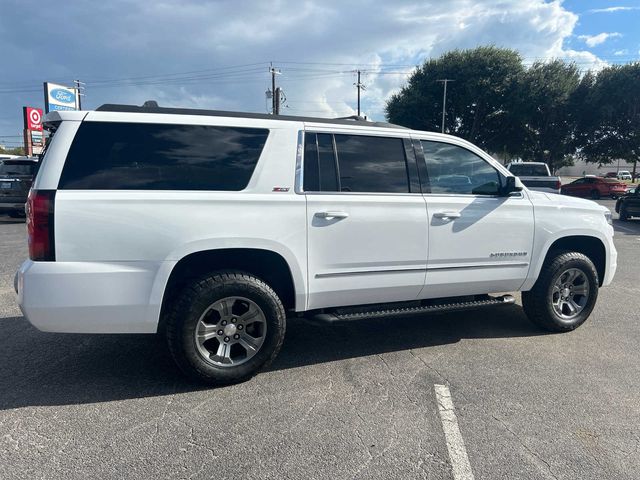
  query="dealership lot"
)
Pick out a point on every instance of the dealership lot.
point(348, 401)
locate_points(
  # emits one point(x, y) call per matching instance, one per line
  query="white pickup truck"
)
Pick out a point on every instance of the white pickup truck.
point(212, 228)
point(536, 176)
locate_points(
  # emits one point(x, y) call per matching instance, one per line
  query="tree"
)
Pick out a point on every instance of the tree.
point(545, 104)
point(12, 151)
point(609, 124)
point(480, 101)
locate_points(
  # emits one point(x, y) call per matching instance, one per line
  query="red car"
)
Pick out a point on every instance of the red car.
point(594, 187)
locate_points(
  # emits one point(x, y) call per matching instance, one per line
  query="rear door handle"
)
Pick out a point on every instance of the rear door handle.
point(332, 214)
point(447, 215)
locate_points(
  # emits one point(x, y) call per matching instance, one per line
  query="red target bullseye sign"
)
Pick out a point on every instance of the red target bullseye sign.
point(33, 118)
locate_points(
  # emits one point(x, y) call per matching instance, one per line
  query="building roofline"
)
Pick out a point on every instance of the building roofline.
point(109, 107)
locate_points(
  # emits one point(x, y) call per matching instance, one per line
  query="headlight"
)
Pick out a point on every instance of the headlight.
point(608, 217)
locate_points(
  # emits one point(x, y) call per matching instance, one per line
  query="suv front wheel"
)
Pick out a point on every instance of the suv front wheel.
point(226, 327)
point(564, 294)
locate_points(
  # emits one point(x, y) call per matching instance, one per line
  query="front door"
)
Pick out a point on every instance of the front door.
point(366, 220)
point(479, 242)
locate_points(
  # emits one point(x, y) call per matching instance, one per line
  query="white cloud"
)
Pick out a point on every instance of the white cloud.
point(127, 38)
point(612, 9)
point(618, 53)
point(593, 40)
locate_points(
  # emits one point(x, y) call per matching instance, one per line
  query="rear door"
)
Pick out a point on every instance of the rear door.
point(366, 217)
point(479, 241)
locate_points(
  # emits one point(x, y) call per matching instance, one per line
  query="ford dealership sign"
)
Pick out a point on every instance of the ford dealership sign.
point(59, 97)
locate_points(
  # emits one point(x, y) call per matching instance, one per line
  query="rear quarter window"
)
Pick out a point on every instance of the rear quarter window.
point(142, 156)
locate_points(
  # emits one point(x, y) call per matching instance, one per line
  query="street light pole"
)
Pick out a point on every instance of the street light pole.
point(444, 100)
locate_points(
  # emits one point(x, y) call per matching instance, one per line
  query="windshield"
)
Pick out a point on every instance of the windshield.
point(524, 170)
point(7, 167)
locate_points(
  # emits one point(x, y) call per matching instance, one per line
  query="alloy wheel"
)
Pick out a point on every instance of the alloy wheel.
point(230, 331)
point(570, 294)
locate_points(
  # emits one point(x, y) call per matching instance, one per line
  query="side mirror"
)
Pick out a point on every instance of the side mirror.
point(513, 184)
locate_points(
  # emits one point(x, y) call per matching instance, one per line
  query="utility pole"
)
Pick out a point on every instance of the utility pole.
point(444, 100)
point(274, 72)
point(277, 99)
point(79, 91)
point(360, 86)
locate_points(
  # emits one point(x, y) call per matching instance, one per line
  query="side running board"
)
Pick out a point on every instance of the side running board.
point(394, 310)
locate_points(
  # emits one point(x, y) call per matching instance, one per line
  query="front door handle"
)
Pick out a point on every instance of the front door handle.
point(332, 215)
point(447, 215)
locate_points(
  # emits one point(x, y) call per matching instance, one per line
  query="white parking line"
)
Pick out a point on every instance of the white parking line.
point(455, 445)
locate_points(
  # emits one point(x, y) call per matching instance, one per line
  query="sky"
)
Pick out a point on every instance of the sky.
point(217, 54)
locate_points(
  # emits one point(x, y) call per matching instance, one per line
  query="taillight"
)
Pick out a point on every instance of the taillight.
point(40, 206)
point(558, 184)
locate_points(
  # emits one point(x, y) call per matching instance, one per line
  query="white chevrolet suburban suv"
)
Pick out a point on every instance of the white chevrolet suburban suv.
point(211, 228)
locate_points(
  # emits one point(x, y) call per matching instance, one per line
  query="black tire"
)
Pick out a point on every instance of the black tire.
point(184, 314)
point(595, 195)
point(537, 302)
point(624, 216)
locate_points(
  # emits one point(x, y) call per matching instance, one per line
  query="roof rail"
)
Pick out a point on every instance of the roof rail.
point(149, 107)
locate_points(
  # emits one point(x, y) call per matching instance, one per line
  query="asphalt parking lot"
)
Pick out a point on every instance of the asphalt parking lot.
point(350, 401)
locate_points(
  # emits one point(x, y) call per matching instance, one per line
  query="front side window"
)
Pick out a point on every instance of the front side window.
point(371, 164)
point(143, 156)
point(456, 170)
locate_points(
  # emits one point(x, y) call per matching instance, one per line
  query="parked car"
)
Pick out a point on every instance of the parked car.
point(536, 176)
point(212, 228)
point(594, 187)
point(16, 176)
point(611, 175)
point(624, 175)
point(629, 205)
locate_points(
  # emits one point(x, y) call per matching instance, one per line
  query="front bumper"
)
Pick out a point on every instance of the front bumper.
point(611, 260)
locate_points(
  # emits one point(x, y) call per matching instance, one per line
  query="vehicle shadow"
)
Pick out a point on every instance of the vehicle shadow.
point(10, 220)
point(630, 227)
point(44, 369)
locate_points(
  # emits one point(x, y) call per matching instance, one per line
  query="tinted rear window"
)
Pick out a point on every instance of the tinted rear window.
point(371, 164)
point(8, 167)
point(139, 156)
point(529, 170)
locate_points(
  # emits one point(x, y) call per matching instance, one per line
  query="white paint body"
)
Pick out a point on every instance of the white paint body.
point(115, 249)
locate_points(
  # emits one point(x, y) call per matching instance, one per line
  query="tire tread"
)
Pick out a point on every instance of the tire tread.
point(184, 303)
point(535, 302)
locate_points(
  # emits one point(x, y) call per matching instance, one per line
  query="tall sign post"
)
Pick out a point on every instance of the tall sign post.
point(33, 137)
point(59, 97)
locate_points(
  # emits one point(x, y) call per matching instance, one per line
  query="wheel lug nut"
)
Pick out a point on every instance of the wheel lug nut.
point(236, 336)
point(220, 332)
point(240, 327)
point(226, 339)
point(224, 322)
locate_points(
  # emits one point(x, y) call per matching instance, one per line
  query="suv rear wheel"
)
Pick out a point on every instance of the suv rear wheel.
point(226, 327)
point(564, 294)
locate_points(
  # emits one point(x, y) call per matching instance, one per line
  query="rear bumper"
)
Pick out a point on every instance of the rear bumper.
point(544, 189)
point(11, 206)
point(87, 297)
